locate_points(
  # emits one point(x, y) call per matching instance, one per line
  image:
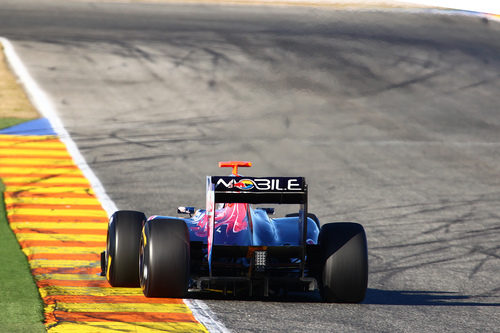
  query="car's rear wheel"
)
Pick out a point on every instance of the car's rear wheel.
point(344, 275)
point(164, 258)
point(122, 248)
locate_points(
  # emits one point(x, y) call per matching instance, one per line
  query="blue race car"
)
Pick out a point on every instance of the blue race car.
point(233, 245)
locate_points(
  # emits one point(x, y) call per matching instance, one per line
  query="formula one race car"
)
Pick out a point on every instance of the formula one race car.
point(233, 245)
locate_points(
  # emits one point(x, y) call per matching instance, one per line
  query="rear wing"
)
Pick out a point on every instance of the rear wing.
point(258, 190)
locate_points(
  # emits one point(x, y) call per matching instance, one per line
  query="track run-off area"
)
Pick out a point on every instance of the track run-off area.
point(390, 113)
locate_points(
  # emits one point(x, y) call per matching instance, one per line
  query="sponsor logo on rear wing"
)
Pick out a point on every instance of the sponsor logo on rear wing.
point(258, 184)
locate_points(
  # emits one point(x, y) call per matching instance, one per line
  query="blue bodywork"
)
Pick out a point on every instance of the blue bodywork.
point(242, 225)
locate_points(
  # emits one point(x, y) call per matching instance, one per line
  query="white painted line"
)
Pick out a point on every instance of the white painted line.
point(204, 315)
point(44, 105)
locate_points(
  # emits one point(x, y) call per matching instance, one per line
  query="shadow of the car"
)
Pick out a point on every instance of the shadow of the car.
point(422, 297)
point(373, 297)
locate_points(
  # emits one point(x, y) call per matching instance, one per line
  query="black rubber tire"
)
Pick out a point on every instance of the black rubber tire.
point(344, 250)
point(310, 215)
point(122, 248)
point(164, 258)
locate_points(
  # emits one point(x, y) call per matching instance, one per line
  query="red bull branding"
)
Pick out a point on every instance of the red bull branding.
point(244, 184)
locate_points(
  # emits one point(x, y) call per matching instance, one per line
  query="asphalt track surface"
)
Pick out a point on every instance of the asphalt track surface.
point(391, 115)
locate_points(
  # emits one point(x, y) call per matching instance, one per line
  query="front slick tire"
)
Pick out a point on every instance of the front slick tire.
point(164, 258)
point(345, 269)
point(122, 248)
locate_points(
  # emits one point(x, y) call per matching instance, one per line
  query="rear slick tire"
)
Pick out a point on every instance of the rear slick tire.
point(344, 276)
point(164, 258)
point(122, 248)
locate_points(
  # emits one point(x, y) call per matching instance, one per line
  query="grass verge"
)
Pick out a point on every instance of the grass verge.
point(20, 301)
point(8, 122)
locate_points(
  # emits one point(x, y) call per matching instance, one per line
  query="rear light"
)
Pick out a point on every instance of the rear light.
point(260, 260)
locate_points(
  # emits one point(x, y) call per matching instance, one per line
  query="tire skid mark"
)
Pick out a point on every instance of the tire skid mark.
point(61, 226)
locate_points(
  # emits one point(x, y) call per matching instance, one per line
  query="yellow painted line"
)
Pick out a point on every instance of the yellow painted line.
point(57, 212)
point(113, 327)
point(63, 250)
point(60, 237)
point(55, 225)
point(89, 291)
point(44, 263)
point(28, 171)
point(122, 307)
point(14, 138)
point(19, 153)
point(59, 179)
point(21, 140)
point(32, 138)
point(36, 161)
point(52, 201)
point(12, 190)
point(69, 277)
point(5, 142)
